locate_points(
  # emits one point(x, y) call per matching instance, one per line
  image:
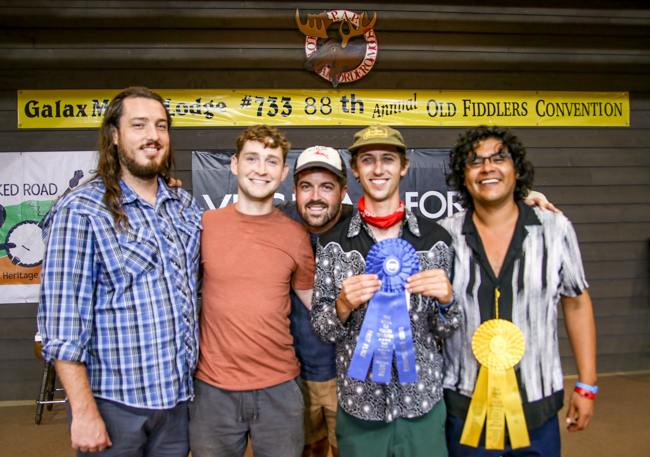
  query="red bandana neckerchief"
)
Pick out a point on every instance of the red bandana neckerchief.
point(381, 221)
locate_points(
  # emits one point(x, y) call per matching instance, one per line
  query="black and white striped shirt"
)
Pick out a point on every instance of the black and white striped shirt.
point(542, 262)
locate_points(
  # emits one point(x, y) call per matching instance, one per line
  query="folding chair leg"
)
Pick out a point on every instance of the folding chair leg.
point(51, 386)
point(42, 394)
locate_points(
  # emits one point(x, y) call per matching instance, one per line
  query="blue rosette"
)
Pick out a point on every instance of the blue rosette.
point(386, 327)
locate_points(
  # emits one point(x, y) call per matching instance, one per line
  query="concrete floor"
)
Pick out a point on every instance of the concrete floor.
point(620, 426)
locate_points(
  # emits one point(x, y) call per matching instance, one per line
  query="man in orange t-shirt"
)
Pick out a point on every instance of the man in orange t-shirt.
point(252, 255)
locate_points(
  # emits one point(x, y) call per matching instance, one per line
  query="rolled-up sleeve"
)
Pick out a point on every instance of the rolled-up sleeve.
point(65, 312)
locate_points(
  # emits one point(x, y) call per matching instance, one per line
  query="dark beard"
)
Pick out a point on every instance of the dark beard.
point(325, 219)
point(146, 172)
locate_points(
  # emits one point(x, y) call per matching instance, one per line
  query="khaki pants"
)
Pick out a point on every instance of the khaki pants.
point(320, 410)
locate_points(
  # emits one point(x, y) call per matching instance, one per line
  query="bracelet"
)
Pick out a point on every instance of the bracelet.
point(585, 393)
point(592, 389)
point(453, 299)
point(443, 307)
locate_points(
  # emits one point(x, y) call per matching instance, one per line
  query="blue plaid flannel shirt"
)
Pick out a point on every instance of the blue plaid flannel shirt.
point(124, 303)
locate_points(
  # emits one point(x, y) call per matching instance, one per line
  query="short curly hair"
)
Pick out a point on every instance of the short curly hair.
point(266, 134)
point(465, 147)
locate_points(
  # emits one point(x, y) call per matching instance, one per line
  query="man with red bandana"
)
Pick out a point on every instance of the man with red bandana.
point(394, 418)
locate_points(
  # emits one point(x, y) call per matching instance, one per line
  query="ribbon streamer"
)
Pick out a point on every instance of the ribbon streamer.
point(386, 326)
point(498, 345)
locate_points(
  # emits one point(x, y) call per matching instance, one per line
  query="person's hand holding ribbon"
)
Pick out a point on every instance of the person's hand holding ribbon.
point(355, 291)
point(431, 283)
point(386, 333)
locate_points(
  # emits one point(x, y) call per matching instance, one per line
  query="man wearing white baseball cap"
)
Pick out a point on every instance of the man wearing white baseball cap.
point(320, 185)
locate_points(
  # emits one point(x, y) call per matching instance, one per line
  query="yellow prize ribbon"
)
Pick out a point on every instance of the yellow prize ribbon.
point(498, 345)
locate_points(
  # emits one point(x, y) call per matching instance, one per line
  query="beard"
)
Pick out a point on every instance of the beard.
point(146, 171)
point(327, 215)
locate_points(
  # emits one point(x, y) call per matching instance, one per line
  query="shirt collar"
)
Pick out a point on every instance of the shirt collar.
point(357, 222)
point(527, 216)
point(164, 193)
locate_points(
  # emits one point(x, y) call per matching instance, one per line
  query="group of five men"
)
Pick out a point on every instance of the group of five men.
point(277, 331)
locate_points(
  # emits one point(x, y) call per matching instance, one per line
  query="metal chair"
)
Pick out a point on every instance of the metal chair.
point(48, 384)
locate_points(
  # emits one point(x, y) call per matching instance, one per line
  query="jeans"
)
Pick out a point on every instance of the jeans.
point(140, 432)
point(221, 421)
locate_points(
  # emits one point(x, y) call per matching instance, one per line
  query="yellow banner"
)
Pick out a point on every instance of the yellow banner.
point(310, 107)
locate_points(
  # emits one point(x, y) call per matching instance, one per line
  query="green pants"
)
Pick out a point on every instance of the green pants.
point(419, 437)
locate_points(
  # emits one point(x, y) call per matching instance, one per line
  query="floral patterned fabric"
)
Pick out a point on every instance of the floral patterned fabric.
point(340, 254)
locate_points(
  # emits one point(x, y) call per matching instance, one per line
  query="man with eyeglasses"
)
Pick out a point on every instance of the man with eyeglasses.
point(512, 263)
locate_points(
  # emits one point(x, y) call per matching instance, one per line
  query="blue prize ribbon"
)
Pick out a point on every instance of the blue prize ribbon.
point(386, 326)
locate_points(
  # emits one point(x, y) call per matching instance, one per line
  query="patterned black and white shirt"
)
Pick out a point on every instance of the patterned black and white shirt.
point(542, 262)
point(341, 254)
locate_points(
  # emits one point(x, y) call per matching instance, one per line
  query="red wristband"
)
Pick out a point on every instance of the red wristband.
point(585, 393)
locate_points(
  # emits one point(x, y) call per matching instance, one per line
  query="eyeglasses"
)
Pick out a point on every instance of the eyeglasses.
point(476, 161)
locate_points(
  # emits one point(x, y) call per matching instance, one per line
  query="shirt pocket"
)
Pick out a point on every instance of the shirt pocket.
point(140, 253)
point(189, 230)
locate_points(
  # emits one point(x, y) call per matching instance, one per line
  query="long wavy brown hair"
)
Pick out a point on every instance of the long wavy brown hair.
point(109, 168)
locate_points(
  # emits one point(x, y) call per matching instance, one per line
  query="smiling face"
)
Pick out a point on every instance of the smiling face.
point(142, 139)
point(318, 199)
point(379, 169)
point(491, 184)
point(259, 171)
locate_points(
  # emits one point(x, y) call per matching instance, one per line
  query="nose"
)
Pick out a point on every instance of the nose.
point(378, 167)
point(315, 194)
point(152, 133)
point(487, 166)
point(260, 169)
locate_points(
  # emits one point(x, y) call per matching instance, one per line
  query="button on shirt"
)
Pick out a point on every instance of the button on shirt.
point(124, 302)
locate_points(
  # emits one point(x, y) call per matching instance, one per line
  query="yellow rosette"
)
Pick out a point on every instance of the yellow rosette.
point(498, 345)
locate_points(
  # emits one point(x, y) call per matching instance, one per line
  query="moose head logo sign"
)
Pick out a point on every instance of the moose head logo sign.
point(339, 56)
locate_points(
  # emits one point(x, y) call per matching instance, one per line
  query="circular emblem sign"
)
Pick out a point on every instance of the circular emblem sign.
point(343, 57)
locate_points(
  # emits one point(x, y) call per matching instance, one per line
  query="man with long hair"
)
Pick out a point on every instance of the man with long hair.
point(247, 379)
point(513, 264)
point(117, 309)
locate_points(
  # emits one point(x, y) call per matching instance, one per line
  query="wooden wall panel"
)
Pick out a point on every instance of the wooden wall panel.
point(627, 250)
point(246, 39)
point(621, 306)
point(600, 177)
point(476, 79)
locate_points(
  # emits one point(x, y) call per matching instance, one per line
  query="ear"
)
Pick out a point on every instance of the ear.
point(344, 192)
point(115, 134)
point(294, 190)
point(233, 165)
point(406, 167)
point(285, 172)
point(353, 166)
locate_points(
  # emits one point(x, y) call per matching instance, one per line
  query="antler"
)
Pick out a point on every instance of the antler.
point(316, 24)
point(356, 32)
